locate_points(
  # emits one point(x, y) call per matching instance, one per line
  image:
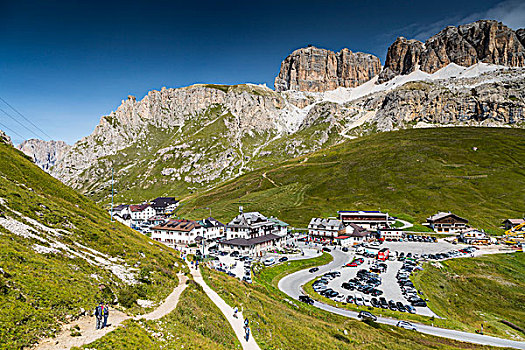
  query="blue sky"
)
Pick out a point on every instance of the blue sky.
point(65, 64)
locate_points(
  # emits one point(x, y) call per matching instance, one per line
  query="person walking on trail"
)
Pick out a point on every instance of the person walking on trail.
point(247, 333)
point(246, 322)
point(98, 316)
point(105, 314)
point(235, 310)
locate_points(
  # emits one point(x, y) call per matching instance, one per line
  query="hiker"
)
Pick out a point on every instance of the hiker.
point(247, 333)
point(235, 312)
point(246, 322)
point(98, 315)
point(105, 314)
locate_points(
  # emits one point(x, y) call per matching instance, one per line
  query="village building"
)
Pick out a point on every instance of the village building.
point(175, 233)
point(251, 234)
point(120, 210)
point(447, 223)
point(391, 233)
point(164, 205)
point(366, 219)
point(123, 218)
point(473, 236)
point(280, 227)
point(140, 213)
point(213, 228)
point(353, 234)
point(511, 223)
point(325, 228)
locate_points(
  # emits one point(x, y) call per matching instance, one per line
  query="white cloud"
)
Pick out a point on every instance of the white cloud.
point(511, 13)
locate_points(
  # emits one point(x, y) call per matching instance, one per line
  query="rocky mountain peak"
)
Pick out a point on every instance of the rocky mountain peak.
point(484, 41)
point(318, 70)
point(5, 138)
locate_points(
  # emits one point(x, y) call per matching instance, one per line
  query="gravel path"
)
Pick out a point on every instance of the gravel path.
point(236, 323)
point(89, 334)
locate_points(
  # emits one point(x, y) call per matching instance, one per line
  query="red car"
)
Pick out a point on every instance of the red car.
point(355, 263)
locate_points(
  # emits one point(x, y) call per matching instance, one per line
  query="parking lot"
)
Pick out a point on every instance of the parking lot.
point(389, 283)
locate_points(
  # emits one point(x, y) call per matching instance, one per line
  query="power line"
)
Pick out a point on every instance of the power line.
point(25, 127)
point(29, 121)
point(14, 132)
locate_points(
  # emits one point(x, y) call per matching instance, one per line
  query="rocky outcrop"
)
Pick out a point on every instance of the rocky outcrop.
point(45, 154)
point(318, 70)
point(5, 138)
point(482, 41)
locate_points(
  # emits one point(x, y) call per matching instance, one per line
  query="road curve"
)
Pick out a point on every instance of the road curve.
point(292, 286)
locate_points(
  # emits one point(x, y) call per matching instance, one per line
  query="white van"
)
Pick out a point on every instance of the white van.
point(359, 300)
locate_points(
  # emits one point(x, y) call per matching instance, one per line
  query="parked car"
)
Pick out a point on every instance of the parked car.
point(410, 308)
point(313, 269)
point(401, 307)
point(269, 261)
point(340, 298)
point(345, 249)
point(406, 325)
point(283, 259)
point(383, 302)
point(359, 300)
point(367, 316)
point(306, 299)
point(392, 305)
point(375, 302)
point(326, 249)
point(247, 279)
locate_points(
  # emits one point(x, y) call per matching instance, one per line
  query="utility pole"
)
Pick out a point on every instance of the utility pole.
point(112, 193)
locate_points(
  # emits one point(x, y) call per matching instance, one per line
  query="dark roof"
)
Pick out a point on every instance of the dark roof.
point(126, 216)
point(211, 222)
point(441, 215)
point(358, 231)
point(243, 242)
point(251, 219)
point(163, 202)
point(120, 207)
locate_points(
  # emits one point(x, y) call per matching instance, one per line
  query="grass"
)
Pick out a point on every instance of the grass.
point(415, 172)
point(474, 291)
point(38, 291)
point(280, 323)
point(196, 323)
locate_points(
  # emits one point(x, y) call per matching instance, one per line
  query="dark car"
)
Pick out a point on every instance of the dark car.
point(383, 303)
point(313, 269)
point(283, 259)
point(375, 302)
point(419, 302)
point(345, 249)
point(347, 285)
point(326, 249)
point(306, 299)
point(376, 292)
point(235, 253)
point(410, 309)
point(401, 307)
point(392, 305)
point(365, 315)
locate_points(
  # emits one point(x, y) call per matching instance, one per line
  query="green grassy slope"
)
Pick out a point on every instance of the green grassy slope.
point(280, 323)
point(474, 172)
point(196, 323)
point(472, 291)
point(59, 253)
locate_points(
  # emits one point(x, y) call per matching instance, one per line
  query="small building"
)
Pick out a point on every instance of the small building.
point(256, 246)
point(213, 228)
point(511, 223)
point(365, 219)
point(443, 222)
point(124, 219)
point(325, 228)
point(177, 232)
point(164, 205)
point(140, 213)
point(280, 227)
point(391, 233)
point(120, 210)
point(473, 236)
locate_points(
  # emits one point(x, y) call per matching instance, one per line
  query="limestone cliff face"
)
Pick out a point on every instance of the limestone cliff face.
point(45, 154)
point(318, 70)
point(482, 41)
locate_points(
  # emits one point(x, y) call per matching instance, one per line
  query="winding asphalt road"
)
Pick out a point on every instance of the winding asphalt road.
point(292, 286)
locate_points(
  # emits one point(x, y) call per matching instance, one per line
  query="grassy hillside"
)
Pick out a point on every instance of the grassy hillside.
point(59, 254)
point(472, 291)
point(280, 323)
point(474, 172)
point(196, 323)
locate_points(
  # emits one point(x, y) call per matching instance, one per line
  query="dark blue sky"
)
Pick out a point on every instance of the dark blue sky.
point(65, 64)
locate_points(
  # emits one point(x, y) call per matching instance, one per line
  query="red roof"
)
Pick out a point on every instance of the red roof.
point(342, 237)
